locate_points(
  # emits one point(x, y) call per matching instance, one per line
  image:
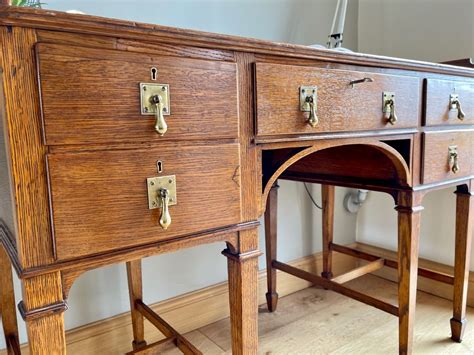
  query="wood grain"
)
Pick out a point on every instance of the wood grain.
point(271, 242)
point(328, 194)
point(339, 106)
point(27, 154)
point(436, 155)
point(78, 80)
point(437, 111)
point(100, 200)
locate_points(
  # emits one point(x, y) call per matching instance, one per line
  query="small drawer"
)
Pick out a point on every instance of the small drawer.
point(93, 96)
point(340, 105)
point(449, 102)
point(447, 155)
point(99, 200)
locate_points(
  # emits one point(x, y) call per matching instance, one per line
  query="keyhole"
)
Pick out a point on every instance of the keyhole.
point(159, 166)
point(154, 73)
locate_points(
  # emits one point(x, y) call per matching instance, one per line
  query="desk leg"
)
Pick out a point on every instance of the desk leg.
point(42, 308)
point(327, 192)
point(7, 304)
point(243, 297)
point(464, 231)
point(409, 213)
point(271, 246)
point(135, 290)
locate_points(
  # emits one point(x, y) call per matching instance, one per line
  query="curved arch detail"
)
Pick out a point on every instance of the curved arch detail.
point(401, 167)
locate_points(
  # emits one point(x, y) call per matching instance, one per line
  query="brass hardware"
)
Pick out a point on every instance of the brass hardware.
point(364, 80)
point(155, 100)
point(159, 166)
point(388, 107)
point(453, 158)
point(455, 105)
point(162, 194)
point(153, 73)
point(309, 103)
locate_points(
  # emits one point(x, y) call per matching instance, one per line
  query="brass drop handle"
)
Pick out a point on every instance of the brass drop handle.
point(456, 104)
point(389, 110)
point(165, 218)
point(453, 159)
point(313, 117)
point(160, 125)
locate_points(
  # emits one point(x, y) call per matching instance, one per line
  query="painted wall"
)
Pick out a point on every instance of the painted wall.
point(103, 293)
point(431, 30)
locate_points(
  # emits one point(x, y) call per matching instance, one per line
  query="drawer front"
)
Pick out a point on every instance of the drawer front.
point(340, 107)
point(439, 110)
point(93, 96)
point(100, 201)
point(438, 160)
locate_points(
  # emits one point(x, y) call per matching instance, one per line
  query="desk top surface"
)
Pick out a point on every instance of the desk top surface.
point(56, 20)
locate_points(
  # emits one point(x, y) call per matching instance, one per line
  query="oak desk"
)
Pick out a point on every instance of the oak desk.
point(123, 140)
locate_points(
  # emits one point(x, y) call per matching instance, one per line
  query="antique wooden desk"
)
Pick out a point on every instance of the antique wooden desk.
point(122, 140)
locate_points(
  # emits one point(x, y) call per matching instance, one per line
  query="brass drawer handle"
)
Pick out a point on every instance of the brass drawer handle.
point(453, 159)
point(160, 125)
point(309, 103)
point(165, 218)
point(389, 107)
point(313, 117)
point(455, 104)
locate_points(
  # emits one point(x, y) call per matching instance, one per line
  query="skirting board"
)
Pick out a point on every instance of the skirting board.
point(202, 307)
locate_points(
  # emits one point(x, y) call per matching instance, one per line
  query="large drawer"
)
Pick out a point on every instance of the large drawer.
point(99, 199)
point(340, 106)
point(442, 150)
point(93, 96)
point(439, 107)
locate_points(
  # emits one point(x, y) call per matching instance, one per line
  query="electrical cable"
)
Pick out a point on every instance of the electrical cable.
point(311, 197)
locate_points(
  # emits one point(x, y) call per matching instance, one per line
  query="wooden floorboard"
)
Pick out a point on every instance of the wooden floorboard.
point(316, 321)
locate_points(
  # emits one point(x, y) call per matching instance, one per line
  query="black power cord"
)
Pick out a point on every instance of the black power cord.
point(311, 197)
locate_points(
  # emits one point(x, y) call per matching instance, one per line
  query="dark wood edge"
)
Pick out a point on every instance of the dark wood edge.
point(13, 344)
point(42, 311)
point(334, 286)
point(430, 274)
point(54, 20)
point(10, 248)
point(242, 257)
point(466, 62)
point(97, 260)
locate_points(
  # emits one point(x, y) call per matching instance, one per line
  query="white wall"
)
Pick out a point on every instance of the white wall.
point(103, 293)
point(431, 30)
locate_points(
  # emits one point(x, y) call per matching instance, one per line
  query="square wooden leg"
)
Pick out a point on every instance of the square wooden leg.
point(328, 193)
point(464, 231)
point(409, 215)
point(243, 297)
point(135, 289)
point(271, 247)
point(7, 304)
point(42, 309)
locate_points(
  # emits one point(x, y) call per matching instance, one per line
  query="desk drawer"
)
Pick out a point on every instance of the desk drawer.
point(443, 150)
point(439, 108)
point(340, 107)
point(99, 199)
point(93, 96)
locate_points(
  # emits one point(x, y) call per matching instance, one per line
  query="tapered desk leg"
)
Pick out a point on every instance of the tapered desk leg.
point(271, 246)
point(243, 298)
point(42, 308)
point(409, 215)
point(327, 192)
point(134, 275)
point(464, 231)
point(7, 304)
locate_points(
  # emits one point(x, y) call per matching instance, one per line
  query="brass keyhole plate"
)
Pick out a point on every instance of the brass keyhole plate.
point(147, 91)
point(155, 184)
